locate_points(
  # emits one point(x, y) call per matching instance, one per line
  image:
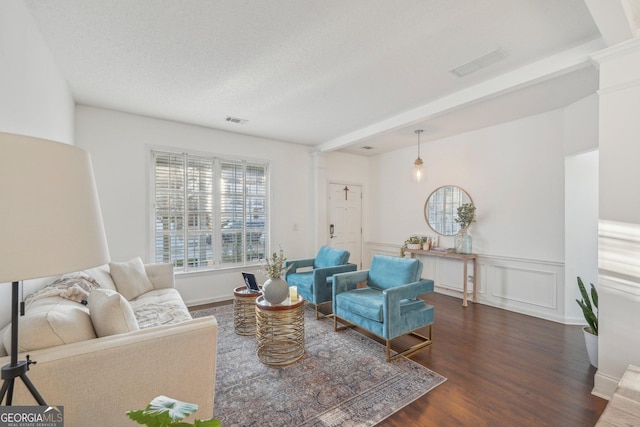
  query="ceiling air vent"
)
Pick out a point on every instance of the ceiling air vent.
point(236, 120)
point(367, 147)
point(481, 62)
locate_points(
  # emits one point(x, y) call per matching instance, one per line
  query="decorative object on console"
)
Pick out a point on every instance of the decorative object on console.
point(466, 215)
point(51, 224)
point(591, 316)
point(413, 242)
point(275, 290)
point(418, 174)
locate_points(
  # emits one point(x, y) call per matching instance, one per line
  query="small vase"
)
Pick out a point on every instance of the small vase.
point(463, 242)
point(275, 290)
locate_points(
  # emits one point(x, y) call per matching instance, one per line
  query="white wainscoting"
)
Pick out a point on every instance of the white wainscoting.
point(527, 286)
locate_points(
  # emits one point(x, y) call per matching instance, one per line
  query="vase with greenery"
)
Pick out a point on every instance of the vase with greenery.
point(466, 215)
point(589, 308)
point(275, 290)
point(165, 411)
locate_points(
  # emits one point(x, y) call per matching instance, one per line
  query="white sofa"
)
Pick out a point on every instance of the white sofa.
point(112, 355)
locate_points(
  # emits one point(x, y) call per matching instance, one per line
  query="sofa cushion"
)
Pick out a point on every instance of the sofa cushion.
point(50, 322)
point(130, 278)
point(160, 307)
point(111, 313)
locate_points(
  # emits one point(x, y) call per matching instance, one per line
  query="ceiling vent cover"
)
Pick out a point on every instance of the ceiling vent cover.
point(236, 120)
point(481, 62)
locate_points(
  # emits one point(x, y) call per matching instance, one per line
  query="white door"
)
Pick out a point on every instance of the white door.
point(345, 220)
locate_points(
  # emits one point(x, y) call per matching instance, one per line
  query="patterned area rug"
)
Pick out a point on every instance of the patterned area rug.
point(343, 379)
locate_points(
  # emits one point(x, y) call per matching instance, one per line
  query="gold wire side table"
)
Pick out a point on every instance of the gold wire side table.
point(244, 311)
point(280, 331)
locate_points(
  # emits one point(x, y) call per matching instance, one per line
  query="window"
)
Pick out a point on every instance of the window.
point(208, 212)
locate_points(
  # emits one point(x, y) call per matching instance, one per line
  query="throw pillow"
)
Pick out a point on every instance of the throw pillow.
point(110, 313)
point(51, 325)
point(130, 278)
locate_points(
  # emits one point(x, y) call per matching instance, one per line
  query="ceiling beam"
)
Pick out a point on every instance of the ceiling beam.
point(614, 19)
point(547, 68)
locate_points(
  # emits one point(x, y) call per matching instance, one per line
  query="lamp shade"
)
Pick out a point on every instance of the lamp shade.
point(50, 219)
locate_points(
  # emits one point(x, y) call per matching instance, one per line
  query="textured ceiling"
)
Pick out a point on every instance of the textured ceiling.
point(330, 74)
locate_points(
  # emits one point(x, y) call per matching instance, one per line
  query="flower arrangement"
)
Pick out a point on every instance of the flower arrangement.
point(274, 267)
point(466, 215)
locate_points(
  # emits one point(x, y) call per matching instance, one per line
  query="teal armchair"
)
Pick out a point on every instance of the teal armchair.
point(388, 306)
point(315, 282)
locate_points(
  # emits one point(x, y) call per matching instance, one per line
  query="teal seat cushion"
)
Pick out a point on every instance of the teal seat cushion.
point(388, 272)
point(304, 281)
point(367, 303)
point(330, 257)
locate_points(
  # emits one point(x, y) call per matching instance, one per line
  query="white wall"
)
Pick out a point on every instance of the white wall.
point(515, 174)
point(119, 144)
point(34, 97)
point(581, 225)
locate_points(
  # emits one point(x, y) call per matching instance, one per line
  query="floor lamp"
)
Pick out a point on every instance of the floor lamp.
point(50, 224)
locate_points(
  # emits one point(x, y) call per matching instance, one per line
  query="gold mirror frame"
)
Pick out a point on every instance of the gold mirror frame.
point(441, 209)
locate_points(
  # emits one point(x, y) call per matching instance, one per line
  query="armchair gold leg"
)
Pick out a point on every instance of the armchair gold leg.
point(426, 341)
point(344, 326)
point(318, 313)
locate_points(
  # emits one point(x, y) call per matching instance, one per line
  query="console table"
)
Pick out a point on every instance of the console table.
point(465, 260)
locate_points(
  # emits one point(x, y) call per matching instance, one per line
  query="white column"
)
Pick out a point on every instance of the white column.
point(619, 206)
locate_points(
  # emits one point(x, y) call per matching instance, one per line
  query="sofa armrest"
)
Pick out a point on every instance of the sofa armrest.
point(160, 275)
point(99, 380)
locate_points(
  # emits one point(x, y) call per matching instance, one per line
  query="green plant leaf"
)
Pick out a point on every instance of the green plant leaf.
point(165, 411)
point(149, 420)
point(594, 295)
point(587, 307)
point(208, 423)
point(585, 295)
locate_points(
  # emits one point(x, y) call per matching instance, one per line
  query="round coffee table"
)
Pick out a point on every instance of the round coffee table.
point(244, 310)
point(280, 331)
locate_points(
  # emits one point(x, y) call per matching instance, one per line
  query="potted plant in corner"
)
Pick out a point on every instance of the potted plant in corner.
point(590, 310)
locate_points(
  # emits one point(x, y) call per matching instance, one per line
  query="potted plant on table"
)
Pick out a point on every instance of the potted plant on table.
point(590, 310)
point(275, 290)
point(413, 242)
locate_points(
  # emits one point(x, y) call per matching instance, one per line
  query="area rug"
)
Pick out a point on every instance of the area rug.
point(343, 379)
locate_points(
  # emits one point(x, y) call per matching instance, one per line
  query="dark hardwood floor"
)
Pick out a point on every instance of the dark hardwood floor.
point(502, 369)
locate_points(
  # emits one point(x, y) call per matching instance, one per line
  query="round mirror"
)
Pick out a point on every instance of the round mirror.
point(441, 209)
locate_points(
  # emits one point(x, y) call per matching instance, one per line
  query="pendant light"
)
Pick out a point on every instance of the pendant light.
point(417, 165)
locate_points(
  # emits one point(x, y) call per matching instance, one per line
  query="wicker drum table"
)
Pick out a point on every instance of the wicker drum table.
point(280, 331)
point(244, 311)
